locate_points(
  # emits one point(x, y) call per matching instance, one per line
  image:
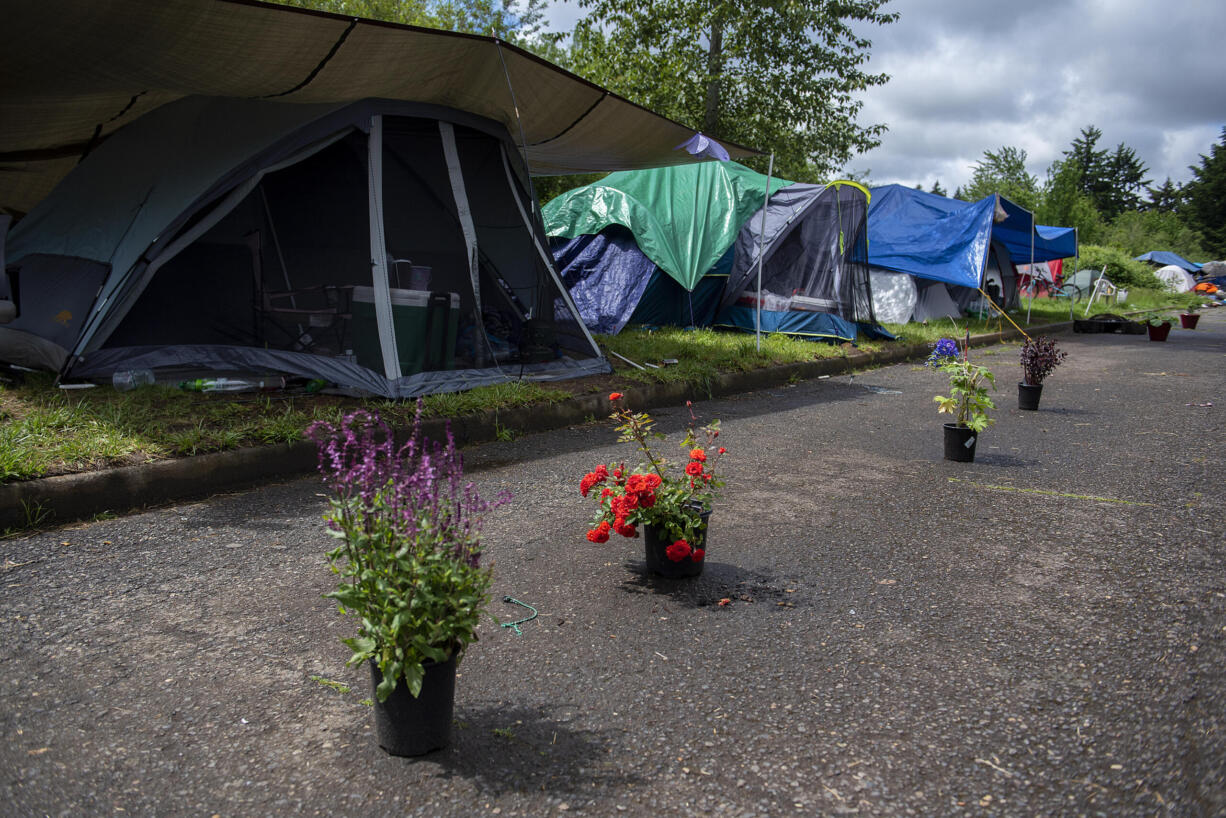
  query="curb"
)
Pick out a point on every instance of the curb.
point(72, 497)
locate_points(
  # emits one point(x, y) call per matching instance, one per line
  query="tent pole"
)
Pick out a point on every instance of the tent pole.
point(1032, 229)
point(770, 169)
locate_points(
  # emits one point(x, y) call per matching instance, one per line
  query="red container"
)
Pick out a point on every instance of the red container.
point(1158, 332)
point(1188, 319)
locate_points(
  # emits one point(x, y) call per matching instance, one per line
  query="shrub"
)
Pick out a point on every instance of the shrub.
point(1122, 271)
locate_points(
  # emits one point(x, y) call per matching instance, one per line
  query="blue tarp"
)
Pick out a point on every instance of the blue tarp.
point(606, 275)
point(1163, 258)
point(815, 325)
point(944, 239)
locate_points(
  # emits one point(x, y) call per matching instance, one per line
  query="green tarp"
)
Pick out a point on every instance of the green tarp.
point(683, 218)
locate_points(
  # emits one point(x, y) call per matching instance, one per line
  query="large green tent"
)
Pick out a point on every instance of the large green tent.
point(683, 218)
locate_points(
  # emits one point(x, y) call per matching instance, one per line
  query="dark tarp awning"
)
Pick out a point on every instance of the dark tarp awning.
point(74, 71)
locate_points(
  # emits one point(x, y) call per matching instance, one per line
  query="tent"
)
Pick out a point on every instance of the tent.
point(812, 245)
point(349, 200)
point(1164, 258)
point(967, 245)
point(680, 246)
point(1175, 278)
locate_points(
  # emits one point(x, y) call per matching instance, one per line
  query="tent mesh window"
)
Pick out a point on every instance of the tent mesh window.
point(822, 263)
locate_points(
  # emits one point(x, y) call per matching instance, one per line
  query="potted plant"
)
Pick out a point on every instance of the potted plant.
point(671, 502)
point(1158, 325)
point(967, 401)
point(1188, 320)
point(410, 565)
point(1039, 357)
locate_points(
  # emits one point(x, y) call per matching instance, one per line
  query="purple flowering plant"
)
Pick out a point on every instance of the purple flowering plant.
point(968, 400)
point(410, 552)
point(1039, 356)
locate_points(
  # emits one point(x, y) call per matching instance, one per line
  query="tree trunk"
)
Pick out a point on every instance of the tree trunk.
point(715, 71)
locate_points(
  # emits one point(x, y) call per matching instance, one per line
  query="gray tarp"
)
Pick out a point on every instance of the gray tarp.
point(74, 71)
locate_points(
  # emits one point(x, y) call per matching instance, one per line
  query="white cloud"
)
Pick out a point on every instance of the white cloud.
point(975, 75)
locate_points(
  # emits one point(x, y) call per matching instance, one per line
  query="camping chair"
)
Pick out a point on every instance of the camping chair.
point(305, 316)
point(1102, 287)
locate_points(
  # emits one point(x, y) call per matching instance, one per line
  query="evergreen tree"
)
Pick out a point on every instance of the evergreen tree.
point(1063, 203)
point(937, 189)
point(1112, 179)
point(1165, 199)
point(780, 75)
point(1205, 197)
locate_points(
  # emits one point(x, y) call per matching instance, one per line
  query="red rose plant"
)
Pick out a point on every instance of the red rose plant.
point(671, 498)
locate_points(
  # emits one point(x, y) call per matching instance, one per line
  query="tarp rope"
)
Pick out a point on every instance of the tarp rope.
point(519, 622)
point(1002, 312)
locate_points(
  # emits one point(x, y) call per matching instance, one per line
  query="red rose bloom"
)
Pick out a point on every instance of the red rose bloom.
point(699, 455)
point(722, 450)
point(605, 492)
point(678, 551)
point(615, 396)
point(698, 554)
point(585, 485)
point(622, 527)
point(636, 483)
point(600, 533)
point(647, 499)
point(654, 480)
point(693, 468)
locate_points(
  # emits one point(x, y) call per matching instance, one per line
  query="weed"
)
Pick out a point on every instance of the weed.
point(339, 687)
point(504, 732)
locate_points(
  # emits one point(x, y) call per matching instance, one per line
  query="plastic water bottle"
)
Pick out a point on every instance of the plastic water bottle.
point(127, 379)
point(231, 384)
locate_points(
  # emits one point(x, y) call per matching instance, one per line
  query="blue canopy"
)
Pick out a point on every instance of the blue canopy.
point(944, 239)
point(1163, 258)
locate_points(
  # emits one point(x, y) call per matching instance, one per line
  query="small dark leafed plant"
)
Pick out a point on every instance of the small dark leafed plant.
point(410, 552)
point(1039, 357)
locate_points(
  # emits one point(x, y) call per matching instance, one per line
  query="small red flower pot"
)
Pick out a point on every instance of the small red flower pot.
point(1158, 332)
point(1188, 320)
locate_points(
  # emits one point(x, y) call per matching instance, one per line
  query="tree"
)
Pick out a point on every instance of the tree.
point(937, 189)
point(1165, 199)
point(1004, 172)
point(1112, 180)
point(1205, 196)
point(1065, 205)
point(1136, 232)
point(774, 74)
point(521, 22)
point(1124, 182)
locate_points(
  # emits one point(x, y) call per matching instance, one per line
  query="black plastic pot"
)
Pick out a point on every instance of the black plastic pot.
point(410, 726)
point(1028, 395)
point(960, 443)
point(655, 546)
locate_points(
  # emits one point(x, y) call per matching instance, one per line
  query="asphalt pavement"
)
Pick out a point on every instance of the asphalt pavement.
point(1040, 632)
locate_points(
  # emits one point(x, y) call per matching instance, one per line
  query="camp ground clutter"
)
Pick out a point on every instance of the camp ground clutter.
point(260, 189)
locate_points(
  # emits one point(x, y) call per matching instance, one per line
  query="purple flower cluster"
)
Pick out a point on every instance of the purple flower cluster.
point(942, 351)
point(415, 492)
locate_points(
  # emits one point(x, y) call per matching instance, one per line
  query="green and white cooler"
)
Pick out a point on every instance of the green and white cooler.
point(425, 322)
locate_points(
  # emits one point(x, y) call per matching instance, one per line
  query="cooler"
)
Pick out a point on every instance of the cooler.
point(425, 322)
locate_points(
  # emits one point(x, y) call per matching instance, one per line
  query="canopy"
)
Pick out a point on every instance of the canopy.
point(944, 239)
point(1163, 258)
point(73, 73)
point(385, 246)
point(683, 218)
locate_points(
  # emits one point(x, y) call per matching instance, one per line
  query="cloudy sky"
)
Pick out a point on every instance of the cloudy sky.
point(974, 75)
